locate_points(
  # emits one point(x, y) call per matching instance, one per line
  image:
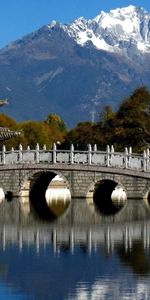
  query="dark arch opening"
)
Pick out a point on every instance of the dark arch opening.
point(148, 198)
point(49, 196)
point(9, 196)
point(37, 195)
point(102, 198)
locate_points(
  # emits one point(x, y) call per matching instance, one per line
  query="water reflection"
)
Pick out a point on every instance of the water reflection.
point(74, 213)
point(54, 262)
point(102, 289)
point(76, 261)
point(129, 241)
point(135, 258)
point(58, 196)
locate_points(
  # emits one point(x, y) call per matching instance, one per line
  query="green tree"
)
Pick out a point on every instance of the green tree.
point(132, 120)
point(53, 119)
point(80, 136)
point(33, 132)
point(106, 115)
point(6, 121)
point(129, 126)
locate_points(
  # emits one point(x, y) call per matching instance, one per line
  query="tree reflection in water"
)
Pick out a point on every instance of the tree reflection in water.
point(136, 258)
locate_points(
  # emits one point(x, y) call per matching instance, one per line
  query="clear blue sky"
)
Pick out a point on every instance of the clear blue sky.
point(20, 17)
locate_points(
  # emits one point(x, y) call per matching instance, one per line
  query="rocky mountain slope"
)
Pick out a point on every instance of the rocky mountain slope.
point(75, 69)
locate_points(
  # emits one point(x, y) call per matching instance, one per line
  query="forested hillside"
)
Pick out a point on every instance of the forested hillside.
point(128, 126)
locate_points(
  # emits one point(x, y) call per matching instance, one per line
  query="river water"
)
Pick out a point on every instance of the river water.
point(42, 260)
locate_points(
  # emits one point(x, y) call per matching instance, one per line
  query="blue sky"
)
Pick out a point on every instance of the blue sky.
point(20, 17)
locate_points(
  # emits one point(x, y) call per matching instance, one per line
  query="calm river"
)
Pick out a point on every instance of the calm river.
point(42, 261)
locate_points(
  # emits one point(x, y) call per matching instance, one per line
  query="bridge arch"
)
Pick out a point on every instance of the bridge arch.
point(34, 185)
point(101, 197)
point(146, 196)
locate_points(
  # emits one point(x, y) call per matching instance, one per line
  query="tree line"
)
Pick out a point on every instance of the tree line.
point(128, 126)
point(46, 132)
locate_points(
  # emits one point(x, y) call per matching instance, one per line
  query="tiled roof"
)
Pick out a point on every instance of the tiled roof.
point(6, 133)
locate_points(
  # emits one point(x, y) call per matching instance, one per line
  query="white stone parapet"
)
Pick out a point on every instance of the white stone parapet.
point(92, 156)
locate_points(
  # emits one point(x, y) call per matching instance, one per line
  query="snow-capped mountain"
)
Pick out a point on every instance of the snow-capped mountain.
point(126, 28)
point(75, 69)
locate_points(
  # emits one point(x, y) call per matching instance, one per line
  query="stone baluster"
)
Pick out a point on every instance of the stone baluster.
point(12, 151)
point(144, 161)
point(130, 150)
point(147, 159)
point(72, 154)
point(44, 147)
point(37, 153)
point(89, 154)
point(54, 154)
point(95, 148)
point(126, 157)
point(130, 158)
point(20, 153)
point(112, 149)
point(107, 156)
point(111, 157)
point(4, 154)
point(28, 148)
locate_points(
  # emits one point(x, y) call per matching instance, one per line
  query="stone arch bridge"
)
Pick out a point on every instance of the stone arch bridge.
point(22, 170)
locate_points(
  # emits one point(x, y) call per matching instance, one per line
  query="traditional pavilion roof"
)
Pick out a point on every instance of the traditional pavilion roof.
point(6, 133)
point(3, 102)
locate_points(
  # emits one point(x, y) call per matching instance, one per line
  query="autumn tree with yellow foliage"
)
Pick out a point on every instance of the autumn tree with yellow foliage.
point(33, 132)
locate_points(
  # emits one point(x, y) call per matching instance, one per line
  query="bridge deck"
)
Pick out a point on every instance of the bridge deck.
point(92, 159)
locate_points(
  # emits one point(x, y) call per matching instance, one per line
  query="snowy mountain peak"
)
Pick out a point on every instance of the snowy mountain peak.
point(125, 10)
point(121, 30)
point(53, 24)
point(128, 12)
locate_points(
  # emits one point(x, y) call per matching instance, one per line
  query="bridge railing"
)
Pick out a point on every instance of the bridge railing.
point(91, 156)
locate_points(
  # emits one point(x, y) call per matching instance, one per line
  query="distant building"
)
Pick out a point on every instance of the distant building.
point(3, 102)
point(6, 133)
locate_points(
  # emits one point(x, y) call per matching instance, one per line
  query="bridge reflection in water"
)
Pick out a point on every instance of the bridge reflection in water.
point(58, 196)
point(66, 238)
point(72, 212)
point(96, 257)
point(87, 241)
point(121, 226)
point(61, 237)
